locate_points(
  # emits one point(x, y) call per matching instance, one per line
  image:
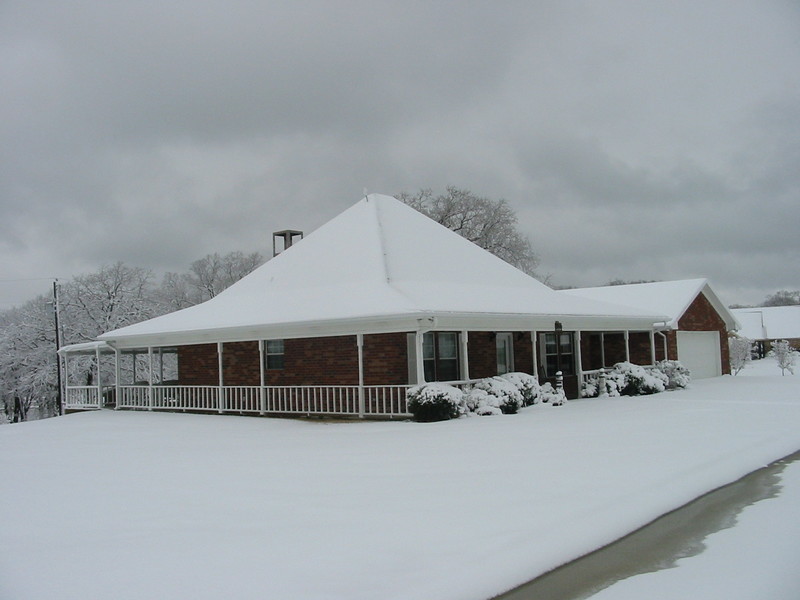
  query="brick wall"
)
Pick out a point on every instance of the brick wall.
point(386, 359)
point(482, 353)
point(334, 360)
point(308, 361)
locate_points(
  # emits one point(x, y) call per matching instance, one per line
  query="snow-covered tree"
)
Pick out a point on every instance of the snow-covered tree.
point(783, 298)
point(213, 273)
point(491, 224)
point(28, 373)
point(741, 350)
point(786, 356)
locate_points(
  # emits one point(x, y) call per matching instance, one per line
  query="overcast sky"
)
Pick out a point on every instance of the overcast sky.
point(634, 139)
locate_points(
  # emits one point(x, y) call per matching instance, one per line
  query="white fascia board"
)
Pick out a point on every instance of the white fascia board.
point(86, 348)
point(389, 324)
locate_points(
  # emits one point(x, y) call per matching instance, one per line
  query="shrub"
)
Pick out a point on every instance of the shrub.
point(552, 396)
point(591, 386)
point(435, 402)
point(677, 375)
point(482, 402)
point(527, 385)
point(638, 381)
point(509, 398)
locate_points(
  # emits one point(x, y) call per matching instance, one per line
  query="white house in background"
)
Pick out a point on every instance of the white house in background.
point(765, 324)
point(343, 321)
point(698, 322)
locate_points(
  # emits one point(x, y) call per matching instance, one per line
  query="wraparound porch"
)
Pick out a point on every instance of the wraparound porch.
point(376, 392)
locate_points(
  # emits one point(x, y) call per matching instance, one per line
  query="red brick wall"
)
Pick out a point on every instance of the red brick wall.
point(523, 352)
point(317, 361)
point(639, 342)
point(385, 359)
point(309, 361)
point(197, 365)
point(701, 316)
point(482, 353)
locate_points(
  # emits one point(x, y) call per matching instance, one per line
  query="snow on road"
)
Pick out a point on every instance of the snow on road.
point(136, 505)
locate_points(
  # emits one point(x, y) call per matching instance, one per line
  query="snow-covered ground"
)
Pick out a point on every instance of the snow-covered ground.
point(142, 505)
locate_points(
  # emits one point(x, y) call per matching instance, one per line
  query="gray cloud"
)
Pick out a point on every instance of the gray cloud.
point(635, 140)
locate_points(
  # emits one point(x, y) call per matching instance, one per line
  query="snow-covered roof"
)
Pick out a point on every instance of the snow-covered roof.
point(85, 348)
point(769, 322)
point(671, 298)
point(378, 266)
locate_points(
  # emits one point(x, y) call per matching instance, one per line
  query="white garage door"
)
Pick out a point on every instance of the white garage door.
point(699, 352)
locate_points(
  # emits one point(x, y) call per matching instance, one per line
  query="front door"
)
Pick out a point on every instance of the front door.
point(558, 354)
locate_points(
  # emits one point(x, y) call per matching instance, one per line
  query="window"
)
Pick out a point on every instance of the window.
point(274, 352)
point(558, 354)
point(505, 353)
point(440, 355)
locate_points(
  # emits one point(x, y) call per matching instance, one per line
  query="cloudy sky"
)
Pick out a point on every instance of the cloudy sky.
point(634, 139)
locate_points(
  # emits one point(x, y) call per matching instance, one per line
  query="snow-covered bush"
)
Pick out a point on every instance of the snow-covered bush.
point(527, 385)
point(677, 375)
point(482, 402)
point(638, 381)
point(786, 356)
point(552, 396)
point(591, 385)
point(741, 351)
point(435, 402)
point(508, 396)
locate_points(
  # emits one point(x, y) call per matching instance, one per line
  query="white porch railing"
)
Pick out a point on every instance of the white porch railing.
point(87, 396)
point(378, 400)
point(343, 400)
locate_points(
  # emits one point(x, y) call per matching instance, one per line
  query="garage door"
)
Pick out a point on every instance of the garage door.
point(699, 352)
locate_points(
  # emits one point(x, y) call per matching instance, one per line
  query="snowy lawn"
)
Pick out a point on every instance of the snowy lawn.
point(144, 505)
point(757, 558)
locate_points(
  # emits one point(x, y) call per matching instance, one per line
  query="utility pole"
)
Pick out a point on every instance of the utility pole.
point(58, 346)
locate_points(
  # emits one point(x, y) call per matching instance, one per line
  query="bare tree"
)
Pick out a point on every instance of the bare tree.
point(491, 224)
point(783, 298)
point(213, 273)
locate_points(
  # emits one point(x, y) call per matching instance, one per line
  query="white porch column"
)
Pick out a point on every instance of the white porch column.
point(535, 355)
point(220, 389)
point(653, 347)
point(150, 378)
point(262, 378)
point(603, 349)
point(65, 399)
point(420, 360)
point(578, 359)
point(99, 382)
point(627, 346)
point(465, 354)
point(361, 400)
point(117, 376)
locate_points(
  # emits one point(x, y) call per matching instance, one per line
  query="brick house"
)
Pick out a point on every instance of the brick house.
point(766, 324)
point(696, 332)
point(344, 321)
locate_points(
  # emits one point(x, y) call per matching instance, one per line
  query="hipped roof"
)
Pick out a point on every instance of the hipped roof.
point(672, 298)
point(379, 266)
